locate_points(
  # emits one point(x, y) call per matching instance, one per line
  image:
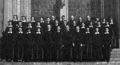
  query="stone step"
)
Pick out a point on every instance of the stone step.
point(115, 55)
point(60, 63)
point(56, 63)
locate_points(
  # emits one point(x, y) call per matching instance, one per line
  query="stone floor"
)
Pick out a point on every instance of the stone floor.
point(115, 60)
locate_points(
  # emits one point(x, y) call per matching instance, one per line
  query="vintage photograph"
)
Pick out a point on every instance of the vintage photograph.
point(59, 32)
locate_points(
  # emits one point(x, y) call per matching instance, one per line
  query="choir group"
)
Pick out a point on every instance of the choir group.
point(53, 40)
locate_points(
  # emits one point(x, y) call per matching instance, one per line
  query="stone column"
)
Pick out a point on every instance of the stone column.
point(27, 9)
point(118, 11)
point(7, 12)
point(102, 8)
point(64, 9)
point(16, 7)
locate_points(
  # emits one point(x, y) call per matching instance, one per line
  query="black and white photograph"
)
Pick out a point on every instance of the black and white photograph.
point(59, 32)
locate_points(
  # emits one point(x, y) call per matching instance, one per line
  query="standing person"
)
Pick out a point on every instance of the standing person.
point(63, 23)
point(72, 23)
point(19, 45)
point(67, 41)
point(48, 43)
point(107, 38)
point(79, 22)
point(57, 39)
point(28, 49)
point(9, 42)
point(76, 46)
point(39, 55)
point(97, 45)
point(15, 22)
point(88, 21)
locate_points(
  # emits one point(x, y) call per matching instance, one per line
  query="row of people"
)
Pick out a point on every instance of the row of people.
point(16, 26)
point(58, 46)
point(72, 22)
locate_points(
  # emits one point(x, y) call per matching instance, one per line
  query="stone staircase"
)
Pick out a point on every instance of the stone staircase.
point(115, 55)
point(115, 60)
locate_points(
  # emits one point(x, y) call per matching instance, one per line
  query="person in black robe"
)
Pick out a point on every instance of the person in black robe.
point(97, 45)
point(107, 38)
point(57, 39)
point(8, 44)
point(48, 43)
point(39, 45)
point(63, 24)
point(43, 24)
point(28, 46)
point(33, 21)
point(78, 51)
point(52, 21)
point(66, 47)
point(79, 23)
point(103, 22)
point(113, 30)
point(24, 22)
point(88, 45)
point(88, 21)
point(19, 45)
point(15, 22)
point(72, 23)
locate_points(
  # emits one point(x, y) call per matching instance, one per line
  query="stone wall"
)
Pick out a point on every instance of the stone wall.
point(44, 8)
point(1, 17)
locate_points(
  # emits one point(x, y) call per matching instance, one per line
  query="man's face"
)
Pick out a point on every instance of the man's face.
point(72, 17)
point(87, 29)
point(78, 28)
point(80, 18)
point(53, 17)
point(58, 28)
point(20, 29)
point(29, 24)
point(56, 21)
point(10, 23)
point(49, 27)
point(10, 29)
point(15, 17)
point(20, 23)
point(63, 18)
point(107, 29)
point(97, 19)
point(89, 18)
point(104, 20)
point(38, 23)
point(38, 29)
point(48, 19)
point(67, 27)
point(97, 29)
point(32, 18)
point(23, 18)
point(41, 19)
